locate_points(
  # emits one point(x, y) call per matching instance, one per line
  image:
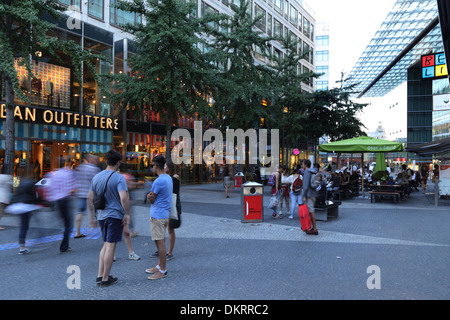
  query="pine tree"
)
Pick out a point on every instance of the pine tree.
point(169, 73)
point(241, 85)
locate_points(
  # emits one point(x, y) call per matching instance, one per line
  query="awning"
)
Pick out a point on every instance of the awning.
point(429, 148)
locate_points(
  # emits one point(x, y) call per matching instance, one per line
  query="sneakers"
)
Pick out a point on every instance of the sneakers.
point(133, 256)
point(24, 251)
point(111, 280)
point(156, 273)
point(156, 255)
point(312, 231)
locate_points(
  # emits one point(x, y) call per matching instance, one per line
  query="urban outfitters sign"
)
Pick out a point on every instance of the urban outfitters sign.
point(58, 117)
point(434, 66)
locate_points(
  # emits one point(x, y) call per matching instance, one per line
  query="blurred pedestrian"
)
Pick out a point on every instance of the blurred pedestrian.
point(84, 174)
point(62, 185)
point(6, 184)
point(125, 172)
point(424, 176)
point(25, 197)
point(113, 217)
point(160, 198)
point(228, 176)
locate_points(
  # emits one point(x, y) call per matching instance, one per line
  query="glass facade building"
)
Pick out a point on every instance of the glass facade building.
point(394, 56)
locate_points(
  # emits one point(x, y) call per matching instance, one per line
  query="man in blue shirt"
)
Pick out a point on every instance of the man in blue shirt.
point(114, 216)
point(160, 197)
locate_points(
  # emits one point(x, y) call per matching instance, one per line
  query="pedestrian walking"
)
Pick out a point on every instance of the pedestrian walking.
point(160, 198)
point(424, 176)
point(309, 194)
point(127, 234)
point(6, 184)
point(114, 216)
point(59, 191)
point(84, 174)
point(295, 194)
point(25, 194)
point(284, 195)
point(275, 182)
point(228, 176)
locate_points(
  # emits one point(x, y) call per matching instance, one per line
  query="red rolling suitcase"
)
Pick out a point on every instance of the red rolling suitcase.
point(305, 219)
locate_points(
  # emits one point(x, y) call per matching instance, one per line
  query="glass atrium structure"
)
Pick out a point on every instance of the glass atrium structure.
point(410, 30)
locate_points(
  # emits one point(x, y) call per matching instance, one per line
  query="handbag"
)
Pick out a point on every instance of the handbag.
point(173, 209)
point(99, 200)
point(273, 204)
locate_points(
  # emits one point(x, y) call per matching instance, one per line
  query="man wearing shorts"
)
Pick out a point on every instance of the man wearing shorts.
point(160, 198)
point(309, 194)
point(115, 215)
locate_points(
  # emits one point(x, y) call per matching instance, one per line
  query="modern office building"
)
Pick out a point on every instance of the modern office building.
point(322, 46)
point(408, 47)
point(66, 115)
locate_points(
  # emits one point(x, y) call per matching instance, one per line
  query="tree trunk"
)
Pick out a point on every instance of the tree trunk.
point(9, 126)
point(168, 135)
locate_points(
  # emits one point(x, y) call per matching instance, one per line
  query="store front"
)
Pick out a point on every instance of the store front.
point(44, 136)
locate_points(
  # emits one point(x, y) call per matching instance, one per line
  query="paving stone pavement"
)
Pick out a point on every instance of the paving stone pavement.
point(219, 258)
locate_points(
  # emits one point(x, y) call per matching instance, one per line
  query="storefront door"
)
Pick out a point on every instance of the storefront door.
point(46, 156)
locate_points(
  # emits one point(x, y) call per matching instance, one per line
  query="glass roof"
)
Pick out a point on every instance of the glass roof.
point(404, 23)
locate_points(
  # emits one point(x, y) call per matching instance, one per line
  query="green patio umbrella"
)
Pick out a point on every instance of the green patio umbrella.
point(380, 167)
point(361, 144)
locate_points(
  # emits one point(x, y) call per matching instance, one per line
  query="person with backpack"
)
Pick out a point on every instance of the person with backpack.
point(296, 191)
point(309, 193)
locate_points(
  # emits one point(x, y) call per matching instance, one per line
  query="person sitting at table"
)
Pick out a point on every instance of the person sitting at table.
point(345, 175)
point(369, 176)
point(391, 182)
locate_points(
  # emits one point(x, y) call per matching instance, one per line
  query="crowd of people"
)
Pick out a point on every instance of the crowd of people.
point(284, 184)
point(104, 196)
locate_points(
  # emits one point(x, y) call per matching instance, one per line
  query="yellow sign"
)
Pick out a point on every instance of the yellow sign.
point(57, 117)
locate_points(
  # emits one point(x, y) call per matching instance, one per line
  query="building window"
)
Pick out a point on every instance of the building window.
point(322, 56)
point(306, 28)
point(322, 41)
point(323, 70)
point(269, 24)
point(95, 8)
point(206, 9)
point(120, 17)
point(293, 16)
point(277, 28)
point(261, 24)
point(278, 5)
point(73, 3)
point(321, 85)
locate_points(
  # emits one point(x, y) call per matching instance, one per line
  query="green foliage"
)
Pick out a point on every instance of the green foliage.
point(23, 33)
point(241, 85)
point(168, 74)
